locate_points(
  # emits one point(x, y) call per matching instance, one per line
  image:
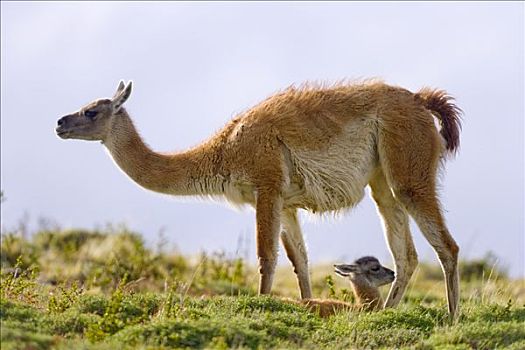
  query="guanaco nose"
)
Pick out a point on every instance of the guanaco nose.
point(61, 121)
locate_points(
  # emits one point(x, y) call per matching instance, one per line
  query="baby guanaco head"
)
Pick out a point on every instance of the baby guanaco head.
point(366, 270)
point(93, 121)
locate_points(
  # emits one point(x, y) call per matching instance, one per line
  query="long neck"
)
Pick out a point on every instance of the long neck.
point(177, 173)
point(367, 296)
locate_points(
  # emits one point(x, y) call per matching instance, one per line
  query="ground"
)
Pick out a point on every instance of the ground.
point(106, 290)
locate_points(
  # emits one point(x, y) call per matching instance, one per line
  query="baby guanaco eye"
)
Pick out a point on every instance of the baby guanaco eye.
point(90, 114)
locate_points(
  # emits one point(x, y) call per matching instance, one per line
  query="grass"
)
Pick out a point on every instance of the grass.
point(68, 290)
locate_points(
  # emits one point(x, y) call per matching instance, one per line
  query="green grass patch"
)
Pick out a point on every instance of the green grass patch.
point(155, 300)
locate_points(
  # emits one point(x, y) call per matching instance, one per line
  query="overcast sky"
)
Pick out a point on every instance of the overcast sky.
point(195, 65)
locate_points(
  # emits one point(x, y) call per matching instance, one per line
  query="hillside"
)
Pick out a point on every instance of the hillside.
point(106, 290)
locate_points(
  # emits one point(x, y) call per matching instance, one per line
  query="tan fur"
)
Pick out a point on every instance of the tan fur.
point(367, 297)
point(330, 307)
point(312, 147)
point(323, 307)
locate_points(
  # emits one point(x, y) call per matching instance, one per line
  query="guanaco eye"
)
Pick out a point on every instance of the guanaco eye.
point(375, 268)
point(90, 114)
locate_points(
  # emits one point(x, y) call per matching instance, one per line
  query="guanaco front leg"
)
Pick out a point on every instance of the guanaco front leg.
point(268, 222)
point(293, 243)
point(398, 236)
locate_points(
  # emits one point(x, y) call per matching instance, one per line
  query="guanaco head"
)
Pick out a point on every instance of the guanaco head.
point(366, 270)
point(93, 121)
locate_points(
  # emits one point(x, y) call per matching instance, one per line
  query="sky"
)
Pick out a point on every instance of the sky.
point(196, 65)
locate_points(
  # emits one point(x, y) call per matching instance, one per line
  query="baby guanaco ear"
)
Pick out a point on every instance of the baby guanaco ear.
point(345, 269)
point(121, 96)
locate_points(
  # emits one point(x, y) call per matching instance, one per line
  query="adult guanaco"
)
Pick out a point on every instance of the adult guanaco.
point(314, 148)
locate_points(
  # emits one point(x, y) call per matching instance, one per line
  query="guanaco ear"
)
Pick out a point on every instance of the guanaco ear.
point(345, 269)
point(120, 87)
point(121, 96)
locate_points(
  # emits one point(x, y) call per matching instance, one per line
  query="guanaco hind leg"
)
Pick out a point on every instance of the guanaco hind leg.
point(410, 166)
point(428, 216)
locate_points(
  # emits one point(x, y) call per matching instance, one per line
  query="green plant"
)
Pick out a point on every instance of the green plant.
point(110, 322)
point(63, 297)
point(169, 300)
point(331, 286)
point(20, 284)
